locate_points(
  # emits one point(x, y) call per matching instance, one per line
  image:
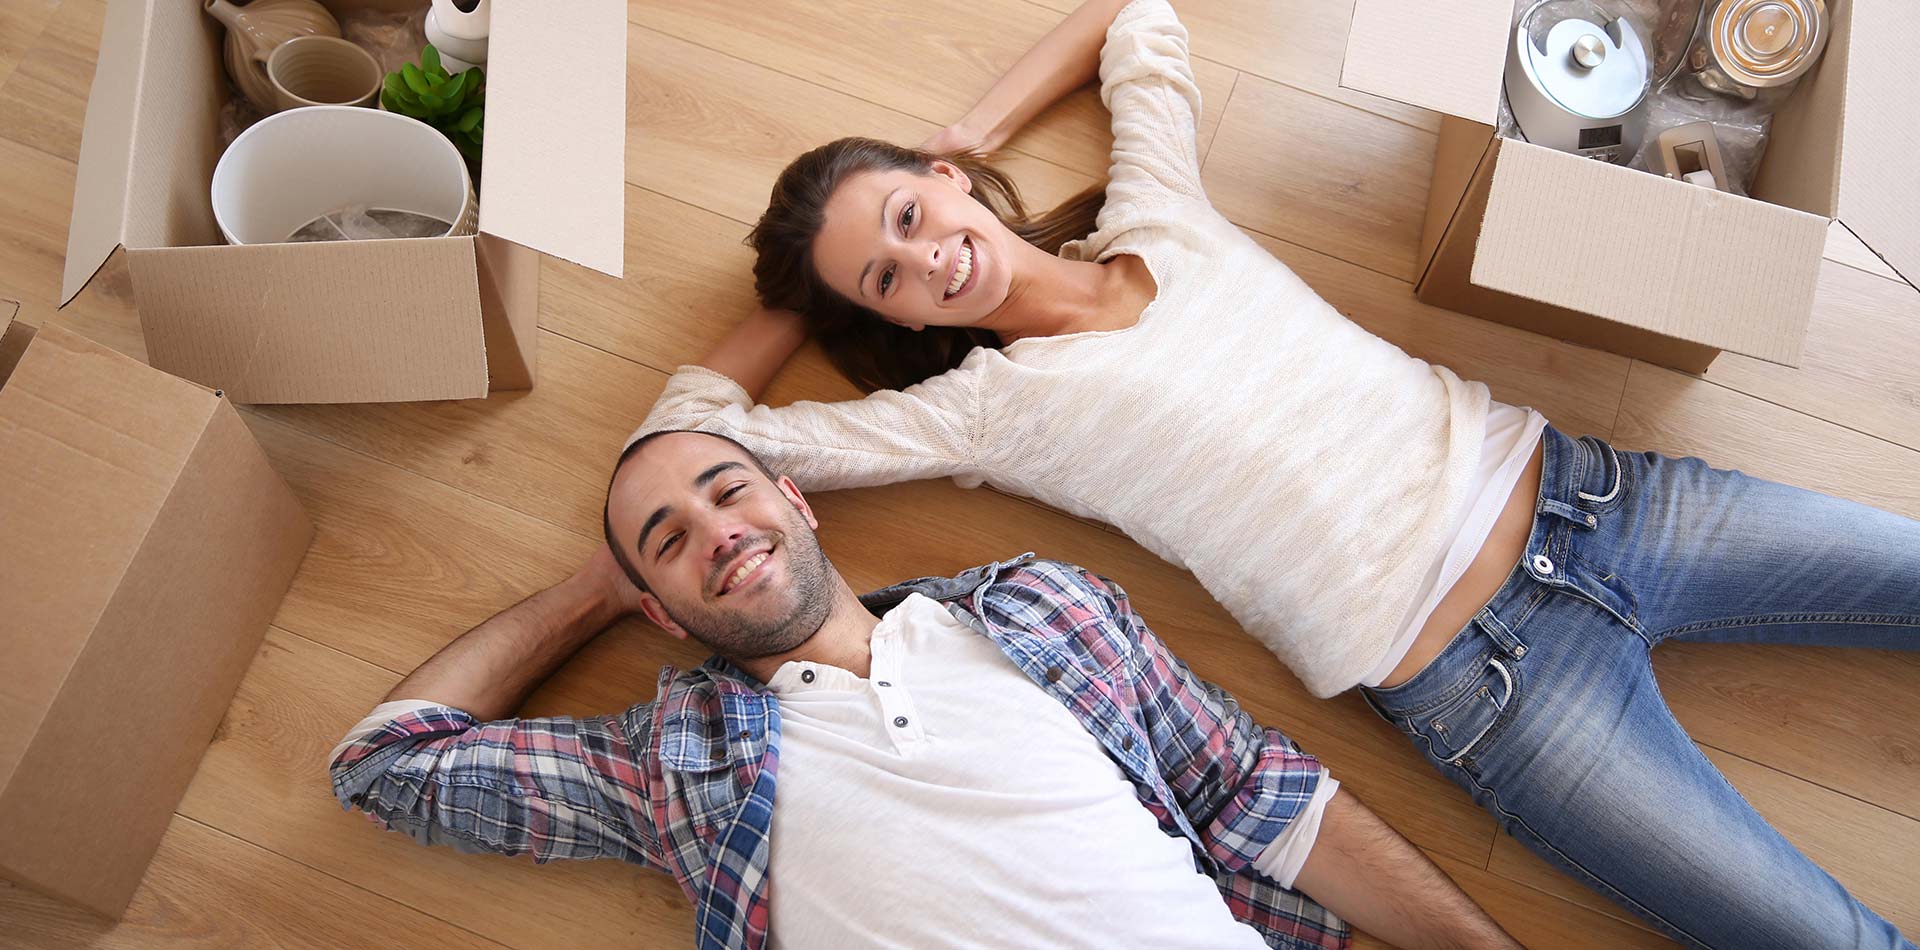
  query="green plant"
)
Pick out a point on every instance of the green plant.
point(456, 104)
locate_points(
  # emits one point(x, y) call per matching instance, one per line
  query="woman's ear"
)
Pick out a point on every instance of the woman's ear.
point(953, 173)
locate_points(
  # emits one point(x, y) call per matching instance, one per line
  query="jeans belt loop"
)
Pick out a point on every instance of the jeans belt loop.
point(1498, 632)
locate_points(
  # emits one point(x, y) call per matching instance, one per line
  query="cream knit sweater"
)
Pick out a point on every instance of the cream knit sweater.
point(1305, 470)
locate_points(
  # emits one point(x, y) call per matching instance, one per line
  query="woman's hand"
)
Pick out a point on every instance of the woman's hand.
point(959, 138)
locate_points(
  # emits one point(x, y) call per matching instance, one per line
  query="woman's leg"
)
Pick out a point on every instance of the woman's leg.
point(1719, 556)
point(1545, 709)
point(1571, 747)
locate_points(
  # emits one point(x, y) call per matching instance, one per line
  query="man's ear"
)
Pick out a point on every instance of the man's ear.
point(953, 173)
point(657, 612)
point(792, 491)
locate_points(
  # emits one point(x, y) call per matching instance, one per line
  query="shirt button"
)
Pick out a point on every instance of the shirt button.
point(900, 721)
point(882, 683)
point(719, 755)
point(745, 735)
point(1126, 743)
point(1053, 674)
point(806, 676)
point(1542, 564)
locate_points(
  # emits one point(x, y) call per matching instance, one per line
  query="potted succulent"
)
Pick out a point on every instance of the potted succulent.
point(455, 104)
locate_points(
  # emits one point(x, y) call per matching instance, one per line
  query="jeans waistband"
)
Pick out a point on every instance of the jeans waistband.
point(1581, 484)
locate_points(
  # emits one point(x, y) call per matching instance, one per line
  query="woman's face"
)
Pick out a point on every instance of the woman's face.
point(915, 248)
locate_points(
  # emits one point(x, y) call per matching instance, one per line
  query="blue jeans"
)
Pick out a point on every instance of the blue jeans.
point(1544, 708)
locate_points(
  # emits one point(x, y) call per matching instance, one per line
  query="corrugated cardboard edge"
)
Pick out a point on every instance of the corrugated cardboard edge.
point(13, 339)
point(1446, 57)
point(509, 311)
point(1446, 283)
point(106, 148)
point(1465, 147)
point(1880, 159)
point(555, 163)
point(228, 516)
point(1719, 254)
point(352, 321)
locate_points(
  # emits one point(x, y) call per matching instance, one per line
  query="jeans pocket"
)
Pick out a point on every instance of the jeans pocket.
point(1462, 726)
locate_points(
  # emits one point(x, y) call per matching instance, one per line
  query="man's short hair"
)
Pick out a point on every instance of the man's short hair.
point(632, 449)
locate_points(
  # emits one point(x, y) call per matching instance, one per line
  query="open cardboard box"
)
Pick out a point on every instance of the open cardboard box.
point(1637, 263)
point(352, 321)
point(147, 544)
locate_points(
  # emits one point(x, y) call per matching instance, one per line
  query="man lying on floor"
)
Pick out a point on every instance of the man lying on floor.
point(1005, 758)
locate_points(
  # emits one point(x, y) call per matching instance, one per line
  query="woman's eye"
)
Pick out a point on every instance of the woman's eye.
point(886, 280)
point(906, 218)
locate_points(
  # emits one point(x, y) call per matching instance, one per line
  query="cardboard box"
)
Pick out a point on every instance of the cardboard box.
point(1634, 262)
point(147, 543)
point(359, 321)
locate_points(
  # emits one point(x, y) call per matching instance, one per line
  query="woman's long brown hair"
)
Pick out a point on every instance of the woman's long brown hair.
point(872, 352)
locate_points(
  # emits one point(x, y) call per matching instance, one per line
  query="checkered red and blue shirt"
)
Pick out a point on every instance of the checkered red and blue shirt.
point(686, 783)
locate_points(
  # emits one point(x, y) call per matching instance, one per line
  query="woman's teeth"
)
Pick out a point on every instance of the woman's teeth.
point(963, 269)
point(746, 567)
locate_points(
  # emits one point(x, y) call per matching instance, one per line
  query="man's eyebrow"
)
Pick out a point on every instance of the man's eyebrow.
point(706, 478)
point(653, 521)
point(862, 285)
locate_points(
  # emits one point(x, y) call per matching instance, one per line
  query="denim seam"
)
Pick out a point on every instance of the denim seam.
point(1763, 620)
point(1459, 688)
point(1593, 880)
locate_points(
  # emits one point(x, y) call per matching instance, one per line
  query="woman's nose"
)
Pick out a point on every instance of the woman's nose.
point(933, 258)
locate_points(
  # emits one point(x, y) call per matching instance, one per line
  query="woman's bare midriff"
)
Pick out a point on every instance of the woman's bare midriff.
point(1482, 579)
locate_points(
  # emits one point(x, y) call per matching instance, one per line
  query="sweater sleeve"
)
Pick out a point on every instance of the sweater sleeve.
point(928, 430)
point(1146, 82)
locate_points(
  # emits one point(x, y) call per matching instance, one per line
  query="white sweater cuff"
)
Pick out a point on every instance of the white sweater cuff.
point(377, 720)
point(1287, 854)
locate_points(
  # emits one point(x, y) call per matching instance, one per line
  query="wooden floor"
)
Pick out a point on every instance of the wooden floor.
point(433, 516)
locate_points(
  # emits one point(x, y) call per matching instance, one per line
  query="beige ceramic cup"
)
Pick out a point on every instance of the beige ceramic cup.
point(322, 71)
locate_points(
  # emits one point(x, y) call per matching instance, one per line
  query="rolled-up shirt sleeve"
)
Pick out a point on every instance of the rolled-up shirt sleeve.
point(1287, 854)
point(555, 788)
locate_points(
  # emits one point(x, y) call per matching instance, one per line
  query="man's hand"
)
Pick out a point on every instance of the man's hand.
point(604, 572)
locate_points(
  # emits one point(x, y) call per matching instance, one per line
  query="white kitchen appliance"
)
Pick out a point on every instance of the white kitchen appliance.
point(1576, 74)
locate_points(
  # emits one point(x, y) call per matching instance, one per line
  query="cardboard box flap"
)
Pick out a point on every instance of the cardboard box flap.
point(554, 169)
point(342, 321)
point(151, 137)
point(1879, 188)
point(90, 445)
point(106, 149)
point(1446, 57)
point(1686, 262)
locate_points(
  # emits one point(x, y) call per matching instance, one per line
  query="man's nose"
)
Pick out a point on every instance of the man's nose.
point(725, 539)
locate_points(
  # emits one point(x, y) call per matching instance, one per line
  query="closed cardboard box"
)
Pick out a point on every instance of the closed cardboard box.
point(146, 544)
point(1632, 262)
point(351, 321)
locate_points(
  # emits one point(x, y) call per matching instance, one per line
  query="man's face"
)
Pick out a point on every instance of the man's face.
point(728, 554)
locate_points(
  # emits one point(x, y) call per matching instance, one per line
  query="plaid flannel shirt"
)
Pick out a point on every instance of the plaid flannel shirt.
point(686, 783)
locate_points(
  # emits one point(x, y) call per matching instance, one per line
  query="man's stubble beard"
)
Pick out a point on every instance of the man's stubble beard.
point(743, 638)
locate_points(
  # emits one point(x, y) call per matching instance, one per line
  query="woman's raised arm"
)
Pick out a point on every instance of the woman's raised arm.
point(754, 351)
point(1065, 59)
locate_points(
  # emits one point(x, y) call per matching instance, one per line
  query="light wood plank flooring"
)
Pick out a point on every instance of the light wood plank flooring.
point(432, 516)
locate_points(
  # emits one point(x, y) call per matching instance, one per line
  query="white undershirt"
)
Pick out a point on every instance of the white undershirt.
point(959, 805)
point(1511, 436)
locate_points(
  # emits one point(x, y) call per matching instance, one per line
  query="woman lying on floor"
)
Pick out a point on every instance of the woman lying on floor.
point(1492, 585)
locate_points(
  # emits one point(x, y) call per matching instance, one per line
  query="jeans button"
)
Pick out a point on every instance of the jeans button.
point(1591, 521)
point(1543, 564)
point(1519, 651)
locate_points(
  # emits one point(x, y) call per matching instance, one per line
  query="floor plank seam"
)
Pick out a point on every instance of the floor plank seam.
point(1290, 84)
point(1620, 405)
point(1100, 176)
point(1215, 137)
point(1327, 254)
point(1902, 446)
point(353, 884)
point(1895, 812)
